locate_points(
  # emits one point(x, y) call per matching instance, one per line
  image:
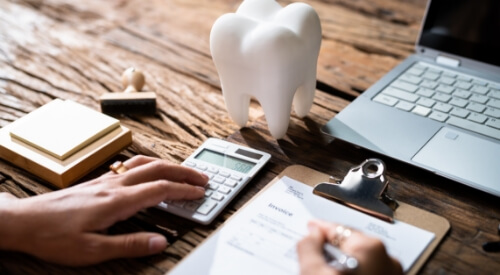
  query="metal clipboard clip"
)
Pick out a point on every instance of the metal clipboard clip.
point(363, 188)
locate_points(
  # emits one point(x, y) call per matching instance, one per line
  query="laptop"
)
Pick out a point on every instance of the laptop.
point(440, 108)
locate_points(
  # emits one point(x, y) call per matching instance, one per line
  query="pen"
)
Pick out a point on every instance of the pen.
point(338, 259)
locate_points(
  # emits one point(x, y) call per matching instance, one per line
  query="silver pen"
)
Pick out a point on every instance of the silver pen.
point(338, 259)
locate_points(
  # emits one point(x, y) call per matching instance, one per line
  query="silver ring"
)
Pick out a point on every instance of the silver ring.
point(341, 233)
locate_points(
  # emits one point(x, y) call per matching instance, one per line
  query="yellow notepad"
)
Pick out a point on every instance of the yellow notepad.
point(61, 128)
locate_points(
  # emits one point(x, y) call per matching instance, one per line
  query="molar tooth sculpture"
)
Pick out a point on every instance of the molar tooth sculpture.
point(270, 53)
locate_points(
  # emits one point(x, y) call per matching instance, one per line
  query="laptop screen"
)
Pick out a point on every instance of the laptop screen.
point(467, 28)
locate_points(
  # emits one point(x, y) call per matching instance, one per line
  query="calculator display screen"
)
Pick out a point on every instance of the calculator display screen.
point(230, 162)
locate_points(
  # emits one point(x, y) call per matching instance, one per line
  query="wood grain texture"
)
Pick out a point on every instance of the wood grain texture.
point(78, 49)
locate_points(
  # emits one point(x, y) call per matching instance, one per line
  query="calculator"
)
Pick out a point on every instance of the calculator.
point(229, 167)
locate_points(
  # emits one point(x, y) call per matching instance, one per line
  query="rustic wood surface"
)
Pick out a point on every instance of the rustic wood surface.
point(78, 49)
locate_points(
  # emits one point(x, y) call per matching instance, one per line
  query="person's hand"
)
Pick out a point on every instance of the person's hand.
point(370, 252)
point(64, 226)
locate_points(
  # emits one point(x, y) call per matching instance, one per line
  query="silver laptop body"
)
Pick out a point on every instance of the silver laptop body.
point(422, 111)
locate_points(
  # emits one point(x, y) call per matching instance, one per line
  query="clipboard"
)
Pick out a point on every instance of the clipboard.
point(200, 259)
point(406, 213)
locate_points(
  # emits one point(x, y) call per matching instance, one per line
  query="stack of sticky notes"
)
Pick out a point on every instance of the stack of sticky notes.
point(62, 141)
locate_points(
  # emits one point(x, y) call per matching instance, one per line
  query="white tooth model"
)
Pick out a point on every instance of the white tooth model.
point(270, 53)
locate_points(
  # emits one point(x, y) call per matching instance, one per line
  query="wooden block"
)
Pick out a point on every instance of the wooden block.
point(62, 172)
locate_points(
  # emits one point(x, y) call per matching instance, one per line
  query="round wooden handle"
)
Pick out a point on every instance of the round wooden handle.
point(133, 80)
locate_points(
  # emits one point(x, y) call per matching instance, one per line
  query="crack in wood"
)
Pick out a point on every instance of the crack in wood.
point(27, 87)
point(41, 79)
point(322, 86)
point(162, 45)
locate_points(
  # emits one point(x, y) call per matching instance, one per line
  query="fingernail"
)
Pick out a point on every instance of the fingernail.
point(157, 244)
point(313, 228)
point(205, 176)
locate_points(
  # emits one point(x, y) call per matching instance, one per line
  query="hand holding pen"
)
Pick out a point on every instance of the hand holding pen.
point(335, 249)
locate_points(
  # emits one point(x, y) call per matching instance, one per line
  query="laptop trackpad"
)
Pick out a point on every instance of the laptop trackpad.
point(463, 157)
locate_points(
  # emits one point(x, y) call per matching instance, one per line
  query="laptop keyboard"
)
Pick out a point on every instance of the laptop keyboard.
point(446, 96)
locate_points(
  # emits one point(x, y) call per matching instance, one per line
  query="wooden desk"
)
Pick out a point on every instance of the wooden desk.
point(78, 49)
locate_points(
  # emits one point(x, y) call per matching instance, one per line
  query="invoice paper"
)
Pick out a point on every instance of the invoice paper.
point(262, 237)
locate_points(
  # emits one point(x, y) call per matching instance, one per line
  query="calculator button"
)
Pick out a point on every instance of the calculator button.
point(178, 203)
point(206, 207)
point(199, 170)
point(213, 185)
point(224, 174)
point(213, 169)
point(231, 183)
point(208, 193)
point(200, 201)
point(236, 177)
point(219, 179)
point(209, 175)
point(201, 167)
point(191, 205)
point(190, 163)
point(224, 189)
point(218, 196)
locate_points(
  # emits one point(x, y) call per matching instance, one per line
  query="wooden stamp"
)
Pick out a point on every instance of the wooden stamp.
point(132, 100)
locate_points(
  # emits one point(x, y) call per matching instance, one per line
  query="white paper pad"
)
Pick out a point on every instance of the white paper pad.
point(61, 128)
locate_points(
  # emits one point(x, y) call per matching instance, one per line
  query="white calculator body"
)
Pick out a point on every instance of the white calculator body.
point(229, 166)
